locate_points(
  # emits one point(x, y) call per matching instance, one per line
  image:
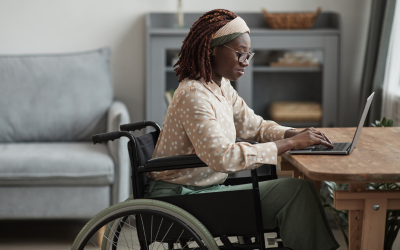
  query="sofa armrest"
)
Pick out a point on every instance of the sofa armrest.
point(117, 115)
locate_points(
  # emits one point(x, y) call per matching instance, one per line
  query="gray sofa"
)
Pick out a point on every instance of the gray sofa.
point(50, 106)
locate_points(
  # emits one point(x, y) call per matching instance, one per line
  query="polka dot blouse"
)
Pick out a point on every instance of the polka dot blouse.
point(206, 120)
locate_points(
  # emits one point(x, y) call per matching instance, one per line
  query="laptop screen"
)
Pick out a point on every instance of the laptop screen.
point(361, 123)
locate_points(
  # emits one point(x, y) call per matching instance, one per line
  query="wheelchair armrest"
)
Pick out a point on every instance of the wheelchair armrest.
point(172, 162)
point(176, 162)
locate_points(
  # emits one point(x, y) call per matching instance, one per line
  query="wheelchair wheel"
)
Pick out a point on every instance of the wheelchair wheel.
point(144, 224)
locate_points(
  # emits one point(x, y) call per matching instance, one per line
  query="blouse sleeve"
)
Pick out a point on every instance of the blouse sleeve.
point(210, 140)
point(250, 126)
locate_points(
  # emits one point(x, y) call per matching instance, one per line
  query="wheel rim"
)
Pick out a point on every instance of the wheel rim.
point(142, 229)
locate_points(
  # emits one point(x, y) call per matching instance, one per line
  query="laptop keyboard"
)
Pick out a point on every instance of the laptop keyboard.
point(337, 147)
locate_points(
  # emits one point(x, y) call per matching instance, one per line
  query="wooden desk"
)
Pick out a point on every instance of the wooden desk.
point(376, 158)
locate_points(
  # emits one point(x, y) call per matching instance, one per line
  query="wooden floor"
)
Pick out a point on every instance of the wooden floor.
point(58, 235)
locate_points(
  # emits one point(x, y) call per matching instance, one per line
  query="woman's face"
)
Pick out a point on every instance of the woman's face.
point(224, 61)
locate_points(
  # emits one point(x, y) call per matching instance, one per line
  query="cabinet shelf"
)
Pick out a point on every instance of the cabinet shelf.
point(169, 69)
point(286, 69)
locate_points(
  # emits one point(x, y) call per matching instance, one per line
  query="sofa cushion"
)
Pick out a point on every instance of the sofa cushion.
point(68, 163)
point(42, 202)
point(57, 97)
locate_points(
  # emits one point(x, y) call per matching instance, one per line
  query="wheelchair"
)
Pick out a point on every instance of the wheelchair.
point(229, 220)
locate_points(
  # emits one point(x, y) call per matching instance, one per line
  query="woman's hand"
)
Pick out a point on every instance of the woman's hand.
point(302, 139)
point(308, 137)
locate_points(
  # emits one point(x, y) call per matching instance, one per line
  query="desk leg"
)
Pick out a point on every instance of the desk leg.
point(356, 220)
point(374, 224)
point(100, 234)
point(317, 183)
point(284, 165)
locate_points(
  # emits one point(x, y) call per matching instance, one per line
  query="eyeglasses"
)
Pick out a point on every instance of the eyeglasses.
point(242, 56)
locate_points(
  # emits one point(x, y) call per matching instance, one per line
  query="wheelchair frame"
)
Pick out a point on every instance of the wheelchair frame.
point(219, 216)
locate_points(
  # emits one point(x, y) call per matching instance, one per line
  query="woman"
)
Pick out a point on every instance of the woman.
point(205, 117)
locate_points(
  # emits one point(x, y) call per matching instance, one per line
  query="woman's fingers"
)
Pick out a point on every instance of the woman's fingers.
point(325, 138)
point(321, 140)
point(308, 138)
point(306, 129)
point(325, 143)
point(318, 136)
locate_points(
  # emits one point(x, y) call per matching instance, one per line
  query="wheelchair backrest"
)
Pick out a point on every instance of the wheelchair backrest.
point(145, 148)
point(140, 151)
point(146, 145)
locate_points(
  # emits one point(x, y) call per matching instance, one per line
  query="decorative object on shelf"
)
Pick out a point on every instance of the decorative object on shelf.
point(168, 96)
point(296, 59)
point(179, 16)
point(288, 20)
point(295, 111)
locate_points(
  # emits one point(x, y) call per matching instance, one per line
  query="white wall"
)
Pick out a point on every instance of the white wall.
point(47, 26)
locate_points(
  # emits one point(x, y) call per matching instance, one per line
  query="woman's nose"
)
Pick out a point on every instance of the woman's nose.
point(245, 63)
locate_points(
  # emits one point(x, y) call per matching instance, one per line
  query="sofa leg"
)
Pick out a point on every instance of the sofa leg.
point(100, 234)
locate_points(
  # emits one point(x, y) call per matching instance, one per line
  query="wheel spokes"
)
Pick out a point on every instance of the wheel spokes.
point(162, 241)
point(112, 242)
point(176, 235)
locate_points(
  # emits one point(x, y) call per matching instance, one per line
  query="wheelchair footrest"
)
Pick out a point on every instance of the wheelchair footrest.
point(271, 241)
point(227, 243)
point(278, 248)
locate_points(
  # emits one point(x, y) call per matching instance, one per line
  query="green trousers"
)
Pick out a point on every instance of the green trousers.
point(293, 205)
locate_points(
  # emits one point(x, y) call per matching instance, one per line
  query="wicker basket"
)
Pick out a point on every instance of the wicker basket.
point(300, 20)
point(296, 111)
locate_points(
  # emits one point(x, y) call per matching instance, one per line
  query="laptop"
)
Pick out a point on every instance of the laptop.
point(342, 148)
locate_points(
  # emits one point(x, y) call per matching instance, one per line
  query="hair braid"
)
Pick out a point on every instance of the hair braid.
point(194, 57)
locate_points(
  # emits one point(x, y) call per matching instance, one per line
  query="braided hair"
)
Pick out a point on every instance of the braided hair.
point(194, 56)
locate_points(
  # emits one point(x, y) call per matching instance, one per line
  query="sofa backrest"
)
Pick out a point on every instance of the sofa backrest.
point(54, 97)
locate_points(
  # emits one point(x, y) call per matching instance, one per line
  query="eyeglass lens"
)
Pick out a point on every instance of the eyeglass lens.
point(245, 56)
